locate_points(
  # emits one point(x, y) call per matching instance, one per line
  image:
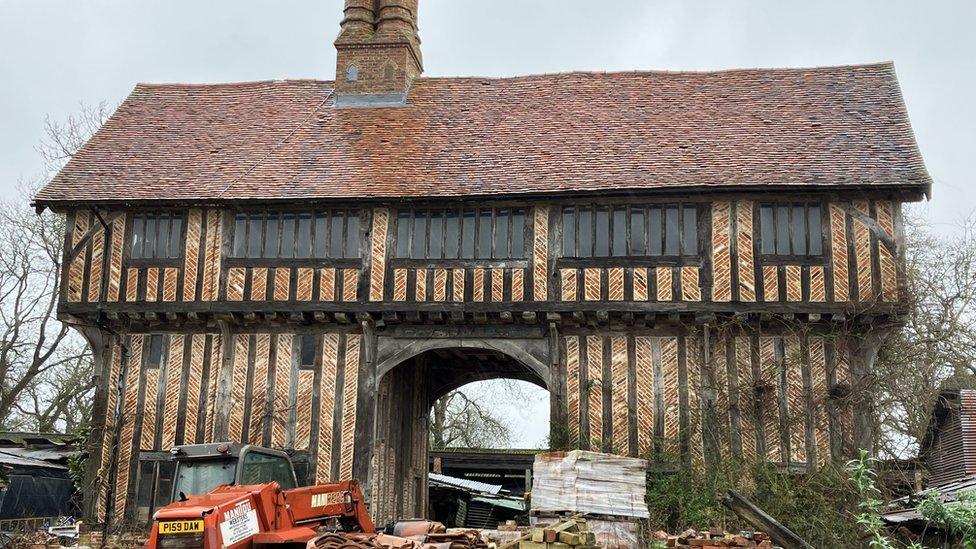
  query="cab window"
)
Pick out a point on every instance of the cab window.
point(258, 468)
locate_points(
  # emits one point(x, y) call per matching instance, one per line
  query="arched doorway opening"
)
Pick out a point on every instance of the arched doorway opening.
point(406, 392)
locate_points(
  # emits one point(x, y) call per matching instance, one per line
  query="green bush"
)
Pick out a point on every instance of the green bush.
point(819, 506)
point(958, 519)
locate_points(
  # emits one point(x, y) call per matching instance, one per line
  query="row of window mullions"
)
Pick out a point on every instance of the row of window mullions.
point(422, 221)
point(807, 236)
point(811, 235)
point(172, 240)
point(346, 248)
point(662, 232)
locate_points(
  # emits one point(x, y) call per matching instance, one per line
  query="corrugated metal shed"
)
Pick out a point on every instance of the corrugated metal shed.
point(8, 459)
point(949, 447)
point(465, 484)
point(905, 508)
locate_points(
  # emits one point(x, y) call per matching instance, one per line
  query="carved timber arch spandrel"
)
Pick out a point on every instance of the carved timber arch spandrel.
point(532, 353)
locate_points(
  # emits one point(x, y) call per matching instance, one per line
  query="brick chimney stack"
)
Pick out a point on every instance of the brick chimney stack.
point(377, 52)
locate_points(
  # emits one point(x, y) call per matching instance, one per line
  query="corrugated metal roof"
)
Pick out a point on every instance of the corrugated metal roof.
point(507, 503)
point(41, 454)
point(465, 484)
point(12, 460)
point(949, 493)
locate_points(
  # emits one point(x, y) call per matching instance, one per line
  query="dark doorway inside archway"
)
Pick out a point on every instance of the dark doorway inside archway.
point(405, 397)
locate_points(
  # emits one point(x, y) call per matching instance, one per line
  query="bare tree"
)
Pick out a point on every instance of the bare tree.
point(45, 369)
point(458, 420)
point(468, 417)
point(936, 347)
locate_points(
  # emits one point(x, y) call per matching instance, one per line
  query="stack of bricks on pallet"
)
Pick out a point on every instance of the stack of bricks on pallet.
point(589, 482)
point(714, 538)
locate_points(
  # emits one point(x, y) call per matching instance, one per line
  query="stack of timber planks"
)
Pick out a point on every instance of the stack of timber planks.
point(568, 534)
point(714, 539)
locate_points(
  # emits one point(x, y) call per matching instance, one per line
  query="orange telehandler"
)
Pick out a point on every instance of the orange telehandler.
point(234, 496)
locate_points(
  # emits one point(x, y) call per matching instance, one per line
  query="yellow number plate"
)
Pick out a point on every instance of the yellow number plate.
point(180, 526)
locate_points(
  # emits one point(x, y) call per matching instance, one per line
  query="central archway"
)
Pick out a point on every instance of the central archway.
point(408, 383)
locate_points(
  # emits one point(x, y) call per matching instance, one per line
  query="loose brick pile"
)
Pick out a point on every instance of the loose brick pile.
point(714, 538)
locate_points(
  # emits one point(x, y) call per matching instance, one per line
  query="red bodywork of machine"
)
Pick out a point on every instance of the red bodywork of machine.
point(260, 515)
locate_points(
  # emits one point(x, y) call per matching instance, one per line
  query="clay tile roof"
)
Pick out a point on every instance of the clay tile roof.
point(557, 133)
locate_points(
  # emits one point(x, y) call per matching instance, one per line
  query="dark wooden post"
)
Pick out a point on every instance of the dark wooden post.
point(100, 342)
point(863, 350)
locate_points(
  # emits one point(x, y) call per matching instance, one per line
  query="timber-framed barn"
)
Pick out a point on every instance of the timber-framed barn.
point(696, 265)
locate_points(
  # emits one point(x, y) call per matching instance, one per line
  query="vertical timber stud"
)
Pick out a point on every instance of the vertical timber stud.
point(768, 383)
point(818, 398)
point(365, 406)
point(224, 383)
point(720, 384)
point(107, 453)
point(746, 398)
point(862, 353)
point(559, 419)
point(694, 388)
point(212, 255)
point(795, 400)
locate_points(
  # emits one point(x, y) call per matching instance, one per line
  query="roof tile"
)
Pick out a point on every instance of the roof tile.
point(557, 133)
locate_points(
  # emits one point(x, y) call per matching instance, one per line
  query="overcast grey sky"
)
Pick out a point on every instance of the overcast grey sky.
point(57, 53)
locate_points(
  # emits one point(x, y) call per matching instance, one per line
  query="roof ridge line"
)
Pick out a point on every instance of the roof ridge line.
point(878, 64)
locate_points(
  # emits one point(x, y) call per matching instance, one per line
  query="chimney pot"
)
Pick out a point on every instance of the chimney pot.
point(378, 52)
point(358, 19)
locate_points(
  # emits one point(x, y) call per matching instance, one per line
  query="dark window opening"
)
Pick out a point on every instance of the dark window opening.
point(156, 236)
point(669, 230)
point(306, 235)
point(272, 236)
point(303, 246)
point(790, 230)
point(619, 228)
point(451, 234)
point(469, 233)
point(155, 358)
point(307, 352)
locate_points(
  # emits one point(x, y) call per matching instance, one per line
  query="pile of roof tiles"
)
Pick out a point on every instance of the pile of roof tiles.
point(714, 538)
